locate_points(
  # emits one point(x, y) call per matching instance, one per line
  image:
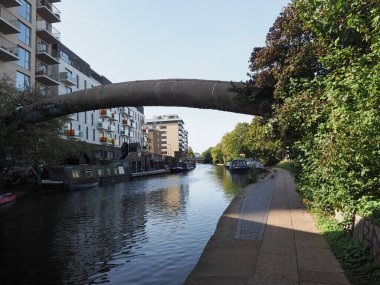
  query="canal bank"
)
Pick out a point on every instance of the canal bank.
point(266, 236)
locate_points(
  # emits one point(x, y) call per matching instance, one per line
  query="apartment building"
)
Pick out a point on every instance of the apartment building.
point(154, 141)
point(105, 127)
point(26, 39)
point(32, 55)
point(173, 135)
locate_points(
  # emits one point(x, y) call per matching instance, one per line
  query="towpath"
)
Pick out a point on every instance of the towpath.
point(266, 236)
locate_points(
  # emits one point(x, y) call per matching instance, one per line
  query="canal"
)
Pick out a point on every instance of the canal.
point(146, 231)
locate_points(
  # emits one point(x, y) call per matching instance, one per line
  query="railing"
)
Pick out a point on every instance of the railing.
point(74, 134)
point(66, 76)
point(8, 46)
point(43, 25)
point(102, 125)
point(51, 7)
point(44, 47)
point(9, 17)
point(47, 71)
point(105, 113)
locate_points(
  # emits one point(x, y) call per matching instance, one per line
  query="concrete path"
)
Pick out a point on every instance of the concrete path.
point(266, 236)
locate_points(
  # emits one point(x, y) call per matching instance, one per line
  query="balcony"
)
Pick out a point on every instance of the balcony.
point(111, 128)
point(46, 76)
point(8, 22)
point(10, 3)
point(48, 11)
point(113, 117)
point(73, 134)
point(124, 110)
point(45, 54)
point(125, 123)
point(105, 140)
point(67, 78)
point(124, 133)
point(102, 126)
point(54, 1)
point(47, 91)
point(8, 50)
point(105, 113)
point(47, 32)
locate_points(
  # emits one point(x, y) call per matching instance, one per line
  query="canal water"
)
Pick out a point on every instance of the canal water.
point(146, 231)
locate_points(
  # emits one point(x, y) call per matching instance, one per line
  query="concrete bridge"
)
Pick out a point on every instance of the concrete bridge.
point(203, 94)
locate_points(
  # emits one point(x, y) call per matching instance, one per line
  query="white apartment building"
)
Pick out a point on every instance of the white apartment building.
point(32, 55)
point(108, 127)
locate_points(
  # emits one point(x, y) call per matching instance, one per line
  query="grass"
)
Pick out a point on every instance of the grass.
point(355, 259)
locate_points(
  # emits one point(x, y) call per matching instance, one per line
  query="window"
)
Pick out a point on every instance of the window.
point(24, 35)
point(25, 10)
point(163, 137)
point(24, 58)
point(68, 90)
point(78, 81)
point(86, 133)
point(64, 56)
point(79, 129)
point(162, 127)
point(85, 84)
point(78, 117)
point(85, 117)
point(22, 81)
point(93, 134)
point(92, 119)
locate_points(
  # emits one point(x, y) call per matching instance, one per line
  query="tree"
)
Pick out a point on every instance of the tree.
point(206, 155)
point(217, 154)
point(22, 142)
point(190, 152)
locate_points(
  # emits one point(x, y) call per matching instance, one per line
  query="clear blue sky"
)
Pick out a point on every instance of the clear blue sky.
point(155, 39)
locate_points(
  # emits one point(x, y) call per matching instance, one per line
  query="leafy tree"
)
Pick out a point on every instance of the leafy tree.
point(190, 152)
point(23, 142)
point(217, 154)
point(206, 155)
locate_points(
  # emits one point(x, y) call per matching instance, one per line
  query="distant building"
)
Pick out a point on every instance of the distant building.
point(154, 141)
point(173, 135)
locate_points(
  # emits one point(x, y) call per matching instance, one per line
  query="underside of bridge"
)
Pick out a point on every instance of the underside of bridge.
point(194, 93)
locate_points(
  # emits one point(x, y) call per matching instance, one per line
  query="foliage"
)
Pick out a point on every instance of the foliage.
point(255, 140)
point(322, 63)
point(21, 142)
point(206, 155)
point(190, 152)
point(289, 166)
point(217, 154)
point(352, 255)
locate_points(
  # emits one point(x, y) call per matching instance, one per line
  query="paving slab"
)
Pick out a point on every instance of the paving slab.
point(266, 236)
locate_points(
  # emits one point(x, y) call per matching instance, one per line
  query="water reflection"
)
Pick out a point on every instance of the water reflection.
point(117, 233)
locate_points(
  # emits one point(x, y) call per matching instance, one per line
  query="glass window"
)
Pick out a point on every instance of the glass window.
point(77, 81)
point(67, 90)
point(24, 35)
point(22, 81)
point(25, 10)
point(64, 56)
point(24, 58)
point(85, 84)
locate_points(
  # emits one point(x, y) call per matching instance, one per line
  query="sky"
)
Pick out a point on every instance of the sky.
point(127, 40)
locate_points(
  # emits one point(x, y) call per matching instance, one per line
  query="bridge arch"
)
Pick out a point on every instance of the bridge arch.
point(194, 93)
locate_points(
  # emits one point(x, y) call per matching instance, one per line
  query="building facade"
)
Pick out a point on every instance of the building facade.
point(26, 39)
point(173, 135)
point(32, 55)
point(105, 127)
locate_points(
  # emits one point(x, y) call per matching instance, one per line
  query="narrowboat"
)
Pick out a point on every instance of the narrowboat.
point(239, 165)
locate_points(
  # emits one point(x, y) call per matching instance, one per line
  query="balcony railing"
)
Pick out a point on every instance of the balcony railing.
point(124, 133)
point(67, 78)
point(105, 113)
point(10, 3)
point(45, 53)
point(48, 11)
point(102, 126)
point(47, 32)
point(8, 50)
point(73, 134)
point(113, 117)
point(125, 123)
point(46, 76)
point(111, 128)
point(8, 22)
point(106, 140)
